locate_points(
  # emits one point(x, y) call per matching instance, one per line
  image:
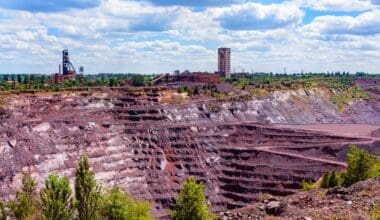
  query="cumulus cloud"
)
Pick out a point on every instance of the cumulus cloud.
point(154, 21)
point(254, 16)
point(193, 2)
point(48, 6)
point(141, 36)
point(338, 5)
point(367, 23)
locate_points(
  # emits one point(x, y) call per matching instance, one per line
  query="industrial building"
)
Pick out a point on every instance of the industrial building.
point(68, 69)
point(224, 62)
point(196, 77)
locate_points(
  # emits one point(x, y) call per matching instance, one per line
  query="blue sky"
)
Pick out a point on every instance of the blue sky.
point(155, 36)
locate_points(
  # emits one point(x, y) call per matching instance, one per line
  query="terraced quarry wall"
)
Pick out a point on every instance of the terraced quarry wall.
point(137, 141)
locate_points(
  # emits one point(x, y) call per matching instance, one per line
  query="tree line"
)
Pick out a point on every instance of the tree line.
point(57, 201)
point(24, 82)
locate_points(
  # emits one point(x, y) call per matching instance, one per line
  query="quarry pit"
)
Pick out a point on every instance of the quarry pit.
point(138, 140)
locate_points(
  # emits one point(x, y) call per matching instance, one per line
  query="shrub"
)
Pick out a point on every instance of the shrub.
point(325, 180)
point(333, 179)
point(191, 202)
point(375, 170)
point(359, 164)
point(306, 185)
point(119, 206)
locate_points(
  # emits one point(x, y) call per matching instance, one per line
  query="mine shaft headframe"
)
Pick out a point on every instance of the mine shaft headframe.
point(67, 67)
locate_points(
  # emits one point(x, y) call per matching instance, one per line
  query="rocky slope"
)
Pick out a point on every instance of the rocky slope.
point(359, 201)
point(136, 139)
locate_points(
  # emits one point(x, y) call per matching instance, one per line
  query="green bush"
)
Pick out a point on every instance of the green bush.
point(191, 202)
point(325, 180)
point(359, 165)
point(119, 206)
point(306, 185)
point(334, 179)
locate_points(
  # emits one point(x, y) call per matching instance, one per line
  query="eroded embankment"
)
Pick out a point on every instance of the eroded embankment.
point(136, 141)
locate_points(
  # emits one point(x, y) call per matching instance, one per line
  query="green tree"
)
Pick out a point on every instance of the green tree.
point(19, 80)
point(26, 79)
point(325, 180)
point(25, 204)
point(3, 213)
point(119, 206)
point(56, 199)
point(359, 164)
point(111, 82)
point(87, 192)
point(138, 80)
point(191, 202)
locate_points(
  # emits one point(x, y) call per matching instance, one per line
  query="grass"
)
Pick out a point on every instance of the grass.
point(260, 93)
point(342, 98)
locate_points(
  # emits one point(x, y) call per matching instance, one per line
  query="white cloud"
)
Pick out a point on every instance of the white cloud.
point(115, 37)
point(367, 23)
point(255, 16)
point(338, 5)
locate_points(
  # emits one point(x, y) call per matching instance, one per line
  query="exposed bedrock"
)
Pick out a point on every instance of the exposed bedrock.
point(148, 147)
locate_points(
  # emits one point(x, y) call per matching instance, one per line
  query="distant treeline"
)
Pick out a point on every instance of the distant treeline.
point(22, 82)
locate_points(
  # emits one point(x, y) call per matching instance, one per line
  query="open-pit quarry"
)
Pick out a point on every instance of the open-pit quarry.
point(137, 139)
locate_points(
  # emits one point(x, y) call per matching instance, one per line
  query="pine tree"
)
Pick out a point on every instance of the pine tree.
point(56, 199)
point(87, 192)
point(325, 180)
point(26, 202)
point(191, 202)
point(119, 206)
point(359, 164)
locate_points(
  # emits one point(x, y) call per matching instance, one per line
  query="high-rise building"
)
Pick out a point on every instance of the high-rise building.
point(224, 62)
